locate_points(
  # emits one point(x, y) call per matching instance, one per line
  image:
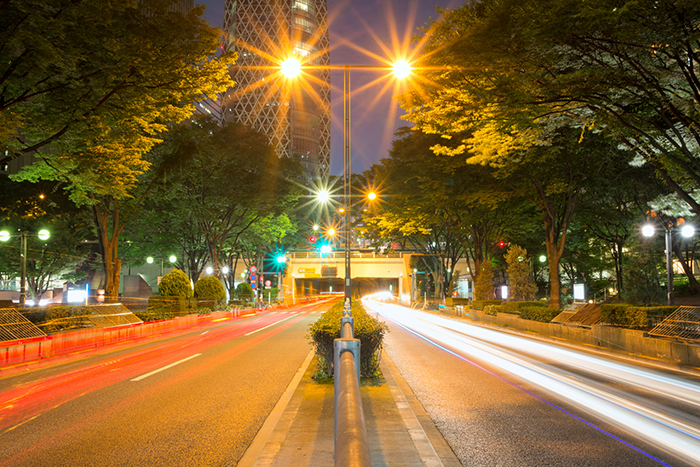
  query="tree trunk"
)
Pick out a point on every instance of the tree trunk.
point(109, 245)
point(554, 253)
point(692, 281)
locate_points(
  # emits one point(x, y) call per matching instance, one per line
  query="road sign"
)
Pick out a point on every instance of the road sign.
point(268, 284)
point(253, 269)
point(253, 285)
point(253, 277)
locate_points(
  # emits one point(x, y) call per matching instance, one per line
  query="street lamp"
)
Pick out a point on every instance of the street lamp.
point(172, 259)
point(686, 231)
point(5, 236)
point(401, 69)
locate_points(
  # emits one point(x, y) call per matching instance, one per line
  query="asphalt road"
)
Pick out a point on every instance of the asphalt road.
point(504, 400)
point(197, 398)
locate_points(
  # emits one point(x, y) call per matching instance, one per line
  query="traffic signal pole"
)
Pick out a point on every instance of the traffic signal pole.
point(346, 183)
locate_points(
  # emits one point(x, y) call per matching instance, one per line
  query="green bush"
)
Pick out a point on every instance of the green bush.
point(369, 330)
point(492, 310)
point(175, 284)
point(480, 304)
point(626, 315)
point(209, 287)
point(243, 291)
point(64, 317)
point(539, 313)
point(515, 307)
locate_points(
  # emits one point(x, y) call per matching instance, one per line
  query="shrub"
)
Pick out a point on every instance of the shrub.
point(626, 315)
point(642, 282)
point(492, 309)
point(369, 330)
point(60, 318)
point(516, 307)
point(243, 291)
point(209, 287)
point(539, 313)
point(480, 304)
point(175, 284)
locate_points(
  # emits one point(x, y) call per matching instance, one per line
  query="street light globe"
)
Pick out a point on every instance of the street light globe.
point(325, 249)
point(648, 230)
point(543, 259)
point(224, 270)
point(331, 232)
point(4, 236)
point(291, 67)
point(372, 196)
point(402, 69)
point(149, 260)
point(44, 234)
point(315, 227)
point(172, 258)
point(688, 231)
point(323, 196)
point(210, 270)
point(243, 274)
point(281, 259)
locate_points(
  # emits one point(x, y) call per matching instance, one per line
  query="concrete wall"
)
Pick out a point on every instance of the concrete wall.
point(608, 337)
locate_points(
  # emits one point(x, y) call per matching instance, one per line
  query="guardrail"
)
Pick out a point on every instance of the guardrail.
point(351, 447)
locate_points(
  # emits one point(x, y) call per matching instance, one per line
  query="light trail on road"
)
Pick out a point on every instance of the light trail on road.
point(669, 429)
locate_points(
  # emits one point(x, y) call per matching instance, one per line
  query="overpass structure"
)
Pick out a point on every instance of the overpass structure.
point(312, 273)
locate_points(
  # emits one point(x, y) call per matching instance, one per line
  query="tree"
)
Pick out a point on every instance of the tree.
point(209, 287)
point(522, 287)
point(630, 69)
point(483, 286)
point(228, 180)
point(90, 98)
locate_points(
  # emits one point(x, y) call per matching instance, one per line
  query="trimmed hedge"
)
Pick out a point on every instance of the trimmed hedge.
point(369, 330)
point(626, 315)
point(175, 284)
point(516, 307)
point(209, 287)
point(64, 317)
point(480, 304)
point(539, 313)
point(492, 310)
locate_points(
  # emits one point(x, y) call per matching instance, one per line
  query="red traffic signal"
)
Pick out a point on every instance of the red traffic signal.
point(312, 239)
point(501, 244)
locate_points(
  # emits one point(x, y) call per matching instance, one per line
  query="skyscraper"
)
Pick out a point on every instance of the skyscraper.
point(294, 113)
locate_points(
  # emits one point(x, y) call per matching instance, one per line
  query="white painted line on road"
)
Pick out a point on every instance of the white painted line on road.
point(151, 373)
point(269, 325)
point(204, 333)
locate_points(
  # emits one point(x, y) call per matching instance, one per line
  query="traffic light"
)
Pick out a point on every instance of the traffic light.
point(501, 244)
point(312, 239)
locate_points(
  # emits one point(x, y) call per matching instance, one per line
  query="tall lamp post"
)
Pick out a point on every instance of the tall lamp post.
point(5, 236)
point(291, 68)
point(686, 231)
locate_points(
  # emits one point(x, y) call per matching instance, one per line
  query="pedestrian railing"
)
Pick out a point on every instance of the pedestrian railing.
point(351, 447)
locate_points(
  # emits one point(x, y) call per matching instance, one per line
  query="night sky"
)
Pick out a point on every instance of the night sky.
point(356, 21)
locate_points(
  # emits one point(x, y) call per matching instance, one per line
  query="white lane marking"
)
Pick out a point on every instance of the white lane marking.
point(269, 325)
point(151, 373)
point(204, 333)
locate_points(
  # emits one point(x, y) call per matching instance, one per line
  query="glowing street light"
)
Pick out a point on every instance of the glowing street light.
point(402, 69)
point(5, 236)
point(323, 196)
point(291, 67)
point(371, 196)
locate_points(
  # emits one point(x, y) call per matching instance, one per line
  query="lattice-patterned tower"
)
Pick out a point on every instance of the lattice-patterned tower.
point(296, 115)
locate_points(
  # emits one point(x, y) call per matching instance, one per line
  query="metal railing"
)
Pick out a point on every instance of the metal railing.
point(351, 447)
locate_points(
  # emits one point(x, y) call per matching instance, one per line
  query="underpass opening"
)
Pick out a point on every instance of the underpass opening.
point(361, 286)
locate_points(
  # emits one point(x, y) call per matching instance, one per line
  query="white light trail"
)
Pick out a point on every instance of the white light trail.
point(666, 430)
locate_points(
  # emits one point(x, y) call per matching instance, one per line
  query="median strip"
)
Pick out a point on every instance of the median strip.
point(269, 325)
point(165, 367)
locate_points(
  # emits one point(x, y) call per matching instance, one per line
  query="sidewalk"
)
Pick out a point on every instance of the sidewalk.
point(300, 429)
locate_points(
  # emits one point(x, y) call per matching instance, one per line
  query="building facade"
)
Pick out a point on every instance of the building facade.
point(294, 113)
